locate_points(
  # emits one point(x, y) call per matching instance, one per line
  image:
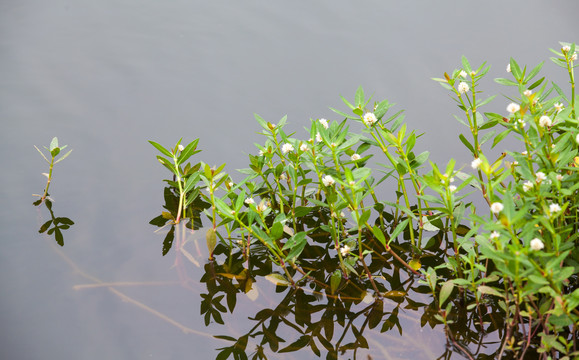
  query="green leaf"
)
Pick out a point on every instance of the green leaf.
point(399, 228)
point(359, 99)
point(466, 65)
point(297, 244)
point(466, 143)
point(161, 149)
point(63, 156)
point(379, 234)
point(500, 137)
point(445, 292)
point(483, 289)
point(53, 144)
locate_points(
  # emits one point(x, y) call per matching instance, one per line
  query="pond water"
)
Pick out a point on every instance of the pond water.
point(107, 76)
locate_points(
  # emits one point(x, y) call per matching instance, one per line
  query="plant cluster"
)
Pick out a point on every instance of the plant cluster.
point(313, 208)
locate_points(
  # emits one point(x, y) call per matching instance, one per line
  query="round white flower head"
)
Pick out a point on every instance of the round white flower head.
point(527, 93)
point(558, 106)
point(303, 147)
point(462, 74)
point(560, 177)
point(513, 108)
point(328, 180)
point(554, 208)
point(352, 183)
point(283, 177)
point(369, 118)
point(494, 235)
point(355, 157)
point(508, 68)
point(249, 201)
point(324, 123)
point(566, 48)
point(345, 250)
point(497, 207)
point(545, 121)
point(574, 56)
point(261, 207)
point(181, 147)
point(524, 152)
point(527, 186)
point(318, 137)
point(540, 176)
point(463, 87)
point(452, 188)
point(287, 147)
point(476, 163)
point(536, 244)
point(577, 138)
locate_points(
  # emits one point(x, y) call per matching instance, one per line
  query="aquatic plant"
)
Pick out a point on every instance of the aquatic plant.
point(507, 261)
point(54, 150)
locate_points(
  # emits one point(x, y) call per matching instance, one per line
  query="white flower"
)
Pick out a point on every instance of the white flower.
point(249, 201)
point(352, 183)
point(513, 108)
point(303, 147)
point(355, 157)
point(545, 121)
point(287, 147)
point(181, 147)
point(208, 189)
point(566, 48)
point(494, 235)
point(554, 208)
point(509, 68)
point(522, 122)
point(462, 74)
point(577, 138)
point(260, 152)
point(574, 56)
point(473, 73)
point(345, 250)
point(527, 186)
point(476, 163)
point(333, 145)
point(318, 137)
point(558, 106)
point(261, 207)
point(283, 177)
point(328, 180)
point(497, 207)
point(324, 123)
point(524, 153)
point(527, 93)
point(452, 188)
point(536, 244)
point(560, 177)
point(369, 118)
point(230, 184)
point(463, 87)
point(540, 176)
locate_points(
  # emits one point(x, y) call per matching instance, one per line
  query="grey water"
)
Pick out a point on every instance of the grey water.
point(106, 76)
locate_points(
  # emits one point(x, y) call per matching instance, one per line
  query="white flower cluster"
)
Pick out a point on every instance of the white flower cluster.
point(463, 87)
point(324, 123)
point(328, 180)
point(513, 108)
point(536, 244)
point(369, 118)
point(545, 121)
point(287, 147)
point(476, 163)
point(497, 207)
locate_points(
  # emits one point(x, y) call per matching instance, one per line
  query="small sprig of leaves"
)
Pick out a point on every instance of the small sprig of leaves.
point(54, 150)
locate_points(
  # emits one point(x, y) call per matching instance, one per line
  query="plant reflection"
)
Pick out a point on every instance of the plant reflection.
point(329, 315)
point(56, 225)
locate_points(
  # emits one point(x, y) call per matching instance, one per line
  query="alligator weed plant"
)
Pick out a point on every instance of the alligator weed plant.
point(54, 150)
point(55, 225)
point(495, 243)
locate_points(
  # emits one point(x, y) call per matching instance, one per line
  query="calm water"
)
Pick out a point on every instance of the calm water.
point(107, 76)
